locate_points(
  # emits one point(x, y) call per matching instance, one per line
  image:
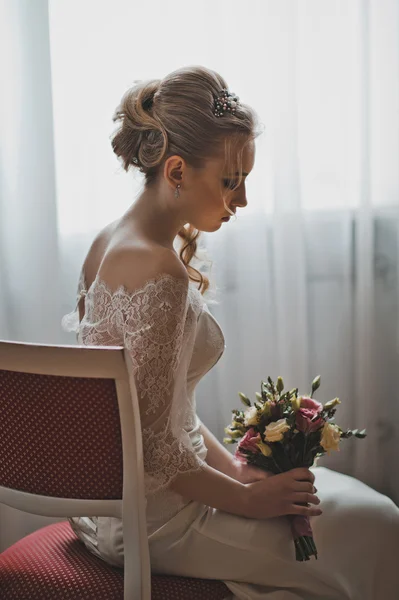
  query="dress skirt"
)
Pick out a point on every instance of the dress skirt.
point(357, 538)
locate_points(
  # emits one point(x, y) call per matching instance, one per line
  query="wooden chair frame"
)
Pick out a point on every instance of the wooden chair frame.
point(108, 363)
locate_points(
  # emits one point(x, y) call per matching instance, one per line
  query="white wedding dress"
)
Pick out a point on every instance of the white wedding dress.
point(174, 341)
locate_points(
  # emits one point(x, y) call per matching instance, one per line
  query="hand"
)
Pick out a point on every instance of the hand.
point(245, 473)
point(289, 493)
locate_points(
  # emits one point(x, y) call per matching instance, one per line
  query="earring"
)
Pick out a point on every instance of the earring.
point(177, 190)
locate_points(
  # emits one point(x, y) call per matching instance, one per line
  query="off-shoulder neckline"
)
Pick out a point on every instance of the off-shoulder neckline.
point(122, 289)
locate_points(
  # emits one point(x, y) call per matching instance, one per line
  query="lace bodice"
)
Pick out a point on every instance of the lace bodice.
point(173, 340)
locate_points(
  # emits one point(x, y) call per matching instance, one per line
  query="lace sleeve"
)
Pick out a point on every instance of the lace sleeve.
point(70, 322)
point(158, 331)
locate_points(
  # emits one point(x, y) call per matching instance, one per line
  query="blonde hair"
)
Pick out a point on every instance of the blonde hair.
point(175, 116)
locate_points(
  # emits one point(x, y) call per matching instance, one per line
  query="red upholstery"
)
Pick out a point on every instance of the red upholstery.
point(53, 563)
point(53, 433)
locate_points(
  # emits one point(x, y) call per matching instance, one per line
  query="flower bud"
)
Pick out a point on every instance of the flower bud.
point(228, 441)
point(266, 409)
point(259, 396)
point(234, 434)
point(280, 384)
point(296, 403)
point(238, 426)
point(244, 399)
point(332, 403)
point(316, 384)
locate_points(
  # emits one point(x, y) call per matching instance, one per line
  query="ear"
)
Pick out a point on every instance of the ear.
point(174, 170)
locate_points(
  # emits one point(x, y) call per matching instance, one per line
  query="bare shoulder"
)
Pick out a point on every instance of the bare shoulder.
point(133, 264)
point(97, 250)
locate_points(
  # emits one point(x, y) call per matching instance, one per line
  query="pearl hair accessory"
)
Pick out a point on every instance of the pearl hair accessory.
point(226, 101)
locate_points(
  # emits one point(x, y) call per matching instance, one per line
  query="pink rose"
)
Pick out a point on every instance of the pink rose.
point(309, 410)
point(249, 443)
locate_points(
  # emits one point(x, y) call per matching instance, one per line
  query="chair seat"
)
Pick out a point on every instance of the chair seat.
point(53, 563)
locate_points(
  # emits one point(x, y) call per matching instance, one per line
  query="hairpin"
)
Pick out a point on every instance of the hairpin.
point(226, 101)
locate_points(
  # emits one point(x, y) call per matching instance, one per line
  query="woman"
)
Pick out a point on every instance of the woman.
point(209, 516)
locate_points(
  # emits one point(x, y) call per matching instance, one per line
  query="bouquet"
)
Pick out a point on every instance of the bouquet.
point(283, 431)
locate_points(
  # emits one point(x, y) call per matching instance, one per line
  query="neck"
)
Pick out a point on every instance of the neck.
point(156, 216)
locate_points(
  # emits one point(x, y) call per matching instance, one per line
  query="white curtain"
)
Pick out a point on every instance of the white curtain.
point(29, 259)
point(308, 275)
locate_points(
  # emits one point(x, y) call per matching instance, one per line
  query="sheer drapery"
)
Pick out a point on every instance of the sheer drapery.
point(308, 275)
point(29, 259)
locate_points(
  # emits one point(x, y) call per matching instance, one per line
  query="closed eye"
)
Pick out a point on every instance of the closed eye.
point(230, 184)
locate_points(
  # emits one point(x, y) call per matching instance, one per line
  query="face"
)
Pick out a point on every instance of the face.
point(209, 187)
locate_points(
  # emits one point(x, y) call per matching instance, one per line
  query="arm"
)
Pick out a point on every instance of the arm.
point(152, 308)
point(221, 484)
point(258, 500)
point(213, 488)
point(220, 458)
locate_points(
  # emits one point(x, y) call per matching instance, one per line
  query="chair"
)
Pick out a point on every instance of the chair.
point(70, 445)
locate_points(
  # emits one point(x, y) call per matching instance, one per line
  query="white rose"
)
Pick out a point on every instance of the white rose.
point(274, 432)
point(330, 437)
point(251, 416)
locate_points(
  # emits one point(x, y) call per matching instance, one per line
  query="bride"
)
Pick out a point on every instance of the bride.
point(208, 515)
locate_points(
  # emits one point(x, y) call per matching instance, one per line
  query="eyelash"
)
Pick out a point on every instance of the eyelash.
point(229, 183)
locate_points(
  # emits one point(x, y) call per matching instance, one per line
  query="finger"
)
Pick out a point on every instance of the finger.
point(305, 498)
point(303, 486)
point(303, 474)
point(306, 511)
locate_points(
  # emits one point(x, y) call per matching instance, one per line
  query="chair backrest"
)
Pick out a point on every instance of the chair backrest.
point(60, 436)
point(70, 441)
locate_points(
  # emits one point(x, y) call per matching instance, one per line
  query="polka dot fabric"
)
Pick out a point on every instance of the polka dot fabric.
point(57, 449)
point(53, 564)
point(165, 587)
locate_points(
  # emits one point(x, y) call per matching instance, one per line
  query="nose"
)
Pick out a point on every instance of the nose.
point(241, 202)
